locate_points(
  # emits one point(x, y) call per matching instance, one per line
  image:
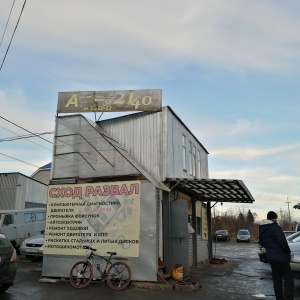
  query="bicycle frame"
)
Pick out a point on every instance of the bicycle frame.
point(116, 274)
point(91, 258)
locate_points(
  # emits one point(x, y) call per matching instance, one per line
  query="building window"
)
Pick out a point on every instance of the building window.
point(29, 217)
point(194, 161)
point(41, 216)
point(198, 231)
point(183, 153)
point(8, 219)
point(191, 166)
point(199, 165)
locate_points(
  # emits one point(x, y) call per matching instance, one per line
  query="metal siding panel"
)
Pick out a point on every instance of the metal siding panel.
point(141, 136)
point(42, 176)
point(8, 189)
point(29, 190)
point(16, 189)
point(174, 158)
point(154, 140)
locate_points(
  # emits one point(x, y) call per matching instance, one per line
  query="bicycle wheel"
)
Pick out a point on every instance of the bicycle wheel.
point(81, 274)
point(118, 276)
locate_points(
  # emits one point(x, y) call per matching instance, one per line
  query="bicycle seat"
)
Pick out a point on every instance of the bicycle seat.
point(88, 247)
point(112, 253)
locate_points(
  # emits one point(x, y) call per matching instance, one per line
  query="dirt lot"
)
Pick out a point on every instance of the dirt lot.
point(241, 277)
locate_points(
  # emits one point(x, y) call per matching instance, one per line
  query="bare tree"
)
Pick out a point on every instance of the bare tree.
point(284, 220)
point(235, 219)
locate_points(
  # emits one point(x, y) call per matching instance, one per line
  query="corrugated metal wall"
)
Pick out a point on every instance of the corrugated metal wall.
point(155, 141)
point(141, 135)
point(30, 191)
point(174, 149)
point(42, 176)
point(16, 189)
point(8, 190)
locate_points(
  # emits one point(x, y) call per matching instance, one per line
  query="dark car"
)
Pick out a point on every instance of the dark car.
point(8, 263)
point(221, 235)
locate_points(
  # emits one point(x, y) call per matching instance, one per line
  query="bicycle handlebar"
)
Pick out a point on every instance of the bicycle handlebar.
point(88, 247)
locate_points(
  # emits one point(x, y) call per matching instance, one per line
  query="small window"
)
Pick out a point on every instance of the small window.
point(198, 231)
point(29, 217)
point(199, 165)
point(191, 167)
point(41, 216)
point(8, 219)
point(194, 161)
point(183, 153)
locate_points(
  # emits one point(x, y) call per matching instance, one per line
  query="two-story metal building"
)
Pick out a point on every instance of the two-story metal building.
point(137, 185)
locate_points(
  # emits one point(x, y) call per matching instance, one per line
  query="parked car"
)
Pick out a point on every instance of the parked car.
point(294, 244)
point(8, 263)
point(221, 235)
point(33, 246)
point(295, 256)
point(243, 235)
point(288, 232)
point(293, 238)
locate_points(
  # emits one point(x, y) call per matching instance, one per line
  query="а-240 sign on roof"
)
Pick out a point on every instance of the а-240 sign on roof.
point(106, 101)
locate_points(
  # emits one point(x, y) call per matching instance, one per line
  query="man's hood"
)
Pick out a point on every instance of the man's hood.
point(265, 222)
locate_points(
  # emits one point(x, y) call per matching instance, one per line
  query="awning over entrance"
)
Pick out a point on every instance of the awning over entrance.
point(218, 190)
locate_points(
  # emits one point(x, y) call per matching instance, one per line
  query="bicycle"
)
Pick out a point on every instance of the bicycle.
point(116, 274)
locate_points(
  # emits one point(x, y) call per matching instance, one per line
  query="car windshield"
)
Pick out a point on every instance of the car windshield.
point(4, 242)
point(243, 232)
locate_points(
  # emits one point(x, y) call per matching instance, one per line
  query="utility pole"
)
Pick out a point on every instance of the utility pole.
point(288, 203)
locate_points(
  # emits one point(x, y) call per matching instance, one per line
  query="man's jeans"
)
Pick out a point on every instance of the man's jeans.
point(283, 280)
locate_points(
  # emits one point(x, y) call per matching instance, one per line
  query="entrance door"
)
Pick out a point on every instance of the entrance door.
point(179, 238)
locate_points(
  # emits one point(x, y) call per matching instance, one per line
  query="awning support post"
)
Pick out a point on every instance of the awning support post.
point(209, 227)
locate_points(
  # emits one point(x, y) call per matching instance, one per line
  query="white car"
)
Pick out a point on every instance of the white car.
point(293, 241)
point(294, 238)
point(294, 244)
point(295, 256)
point(33, 246)
point(243, 236)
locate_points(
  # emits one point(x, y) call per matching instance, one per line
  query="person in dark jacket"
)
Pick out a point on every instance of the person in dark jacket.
point(278, 254)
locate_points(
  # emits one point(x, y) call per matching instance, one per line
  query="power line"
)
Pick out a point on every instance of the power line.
point(26, 130)
point(7, 22)
point(19, 160)
point(27, 139)
point(20, 137)
point(13, 35)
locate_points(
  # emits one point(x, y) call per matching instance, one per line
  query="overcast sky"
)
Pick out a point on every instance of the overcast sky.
point(229, 69)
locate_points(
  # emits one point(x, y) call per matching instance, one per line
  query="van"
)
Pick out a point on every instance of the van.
point(18, 225)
